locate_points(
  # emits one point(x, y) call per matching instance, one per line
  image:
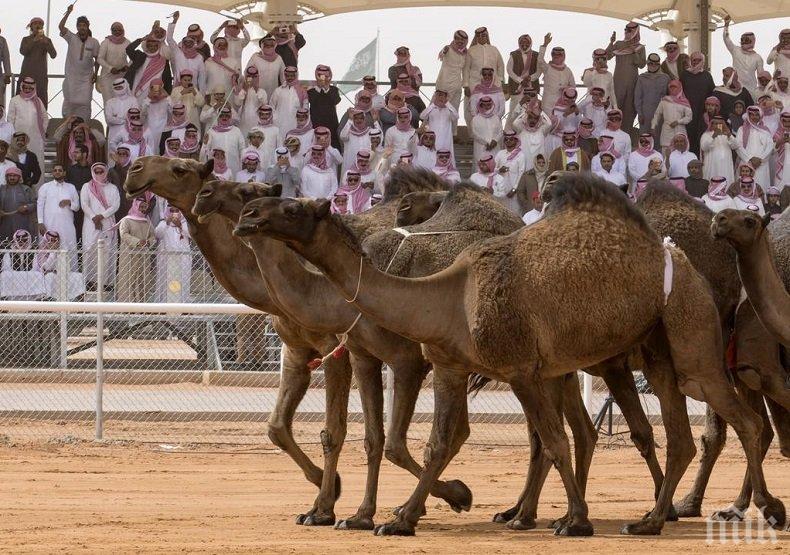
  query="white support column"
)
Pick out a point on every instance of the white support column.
point(587, 393)
point(101, 257)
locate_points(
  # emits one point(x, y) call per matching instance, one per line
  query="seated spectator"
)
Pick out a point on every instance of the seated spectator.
point(172, 147)
point(696, 185)
point(445, 168)
point(5, 163)
point(173, 259)
point(717, 198)
point(255, 143)
point(74, 132)
point(294, 146)
point(17, 206)
point(680, 156)
point(370, 178)
point(18, 279)
point(748, 196)
point(190, 144)
point(221, 169)
point(134, 258)
point(322, 137)
point(26, 161)
point(426, 150)
point(532, 182)
point(339, 204)
point(270, 134)
point(47, 263)
point(250, 171)
point(358, 193)
point(318, 179)
point(609, 172)
point(773, 204)
point(568, 152)
point(284, 174)
point(639, 161)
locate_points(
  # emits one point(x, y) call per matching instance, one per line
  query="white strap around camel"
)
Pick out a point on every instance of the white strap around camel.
point(668, 268)
point(338, 350)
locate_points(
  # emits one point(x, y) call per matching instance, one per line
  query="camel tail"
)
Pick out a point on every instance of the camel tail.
point(476, 383)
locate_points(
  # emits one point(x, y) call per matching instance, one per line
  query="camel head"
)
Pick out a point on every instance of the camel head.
point(293, 221)
point(228, 198)
point(176, 179)
point(415, 208)
point(740, 228)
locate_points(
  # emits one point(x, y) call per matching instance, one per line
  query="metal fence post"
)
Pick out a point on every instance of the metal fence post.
point(63, 295)
point(587, 380)
point(101, 255)
point(389, 395)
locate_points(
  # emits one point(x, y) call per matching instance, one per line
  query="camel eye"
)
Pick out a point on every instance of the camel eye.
point(405, 207)
point(251, 213)
point(750, 222)
point(206, 193)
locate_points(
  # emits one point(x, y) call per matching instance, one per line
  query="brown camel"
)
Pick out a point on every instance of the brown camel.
point(308, 296)
point(178, 181)
point(763, 264)
point(759, 374)
point(502, 308)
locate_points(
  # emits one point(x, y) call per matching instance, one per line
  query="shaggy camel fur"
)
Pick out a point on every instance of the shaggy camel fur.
point(496, 308)
point(673, 213)
point(763, 263)
point(312, 300)
point(178, 181)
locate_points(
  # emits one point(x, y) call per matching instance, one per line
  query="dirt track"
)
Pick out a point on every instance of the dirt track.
point(137, 498)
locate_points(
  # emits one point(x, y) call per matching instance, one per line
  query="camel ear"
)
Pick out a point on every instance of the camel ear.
point(276, 190)
point(322, 208)
point(206, 169)
point(766, 220)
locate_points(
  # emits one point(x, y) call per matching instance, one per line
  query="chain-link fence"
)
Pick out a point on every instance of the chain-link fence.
point(166, 358)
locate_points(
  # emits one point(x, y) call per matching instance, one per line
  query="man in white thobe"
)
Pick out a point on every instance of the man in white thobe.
point(100, 201)
point(441, 117)
point(451, 71)
point(755, 146)
point(318, 179)
point(81, 67)
point(227, 137)
point(27, 113)
point(745, 60)
point(286, 100)
point(480, 54)
point(56, 205)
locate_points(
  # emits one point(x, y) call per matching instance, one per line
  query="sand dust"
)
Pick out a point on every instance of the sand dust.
point(84, 497)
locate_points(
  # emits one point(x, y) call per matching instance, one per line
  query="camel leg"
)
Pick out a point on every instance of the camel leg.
point(367, 371)
point(337, 380)
point(449, 401)
point(293, 386)
point(781, 417)
point(408, 381)
point(540, 400)
point(680, 443)
point(711, 444)
point(755, 400)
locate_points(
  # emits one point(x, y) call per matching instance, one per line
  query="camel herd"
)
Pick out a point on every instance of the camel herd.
point(452, 281)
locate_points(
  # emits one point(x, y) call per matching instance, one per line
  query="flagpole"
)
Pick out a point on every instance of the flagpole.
point(378, 49)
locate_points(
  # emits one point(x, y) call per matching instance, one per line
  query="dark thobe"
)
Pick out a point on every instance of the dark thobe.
point(697, 87)
point(589, 145)
point(696, 187)
point(5, 67)
point(394, 71)
point(323, 111)
point(650, 88)
point(416, 103)
point(728, 101)
point(11, 198)
point(290, 57)
point(34, 63)
point(117, 176)
point(31, 169)
point(78, 176)
point(626, 70)
point(387, 119)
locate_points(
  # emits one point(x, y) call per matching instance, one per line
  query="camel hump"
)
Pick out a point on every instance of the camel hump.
point(779, 241)
point(403, 180)
point(590, 193)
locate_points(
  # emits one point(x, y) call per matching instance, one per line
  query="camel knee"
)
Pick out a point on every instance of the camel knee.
point(278, 434)
point(396, 452)
point(644, 442)
point(374, 446)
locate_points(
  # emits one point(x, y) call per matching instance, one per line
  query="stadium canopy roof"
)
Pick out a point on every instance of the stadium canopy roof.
point(739, 10)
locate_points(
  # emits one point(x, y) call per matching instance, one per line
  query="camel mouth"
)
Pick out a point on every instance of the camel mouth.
point(203, 218)
point(137, 192)
point(245, 230)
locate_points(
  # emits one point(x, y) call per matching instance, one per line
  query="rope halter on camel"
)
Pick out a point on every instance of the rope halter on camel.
point(668, 268)
point(340, 349)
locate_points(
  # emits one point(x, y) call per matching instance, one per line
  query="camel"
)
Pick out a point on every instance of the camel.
point(763, 264)
point(178, 181)
point(292, 284)
point(502, 309)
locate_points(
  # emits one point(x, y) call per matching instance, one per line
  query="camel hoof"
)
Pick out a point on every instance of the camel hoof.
point(302, 517)
point(316, 519)
point(506, 516)
point(642, 528)
point(522, 524)
point(687, 509)
point(355, 523)
point(558, 523)
point(774, 513)
point(672, 515)
point(733, 514)
point(461, 499)
point(583, 528)
point(397, 528)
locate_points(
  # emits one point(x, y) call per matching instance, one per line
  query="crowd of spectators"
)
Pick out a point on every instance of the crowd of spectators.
point(187, 98)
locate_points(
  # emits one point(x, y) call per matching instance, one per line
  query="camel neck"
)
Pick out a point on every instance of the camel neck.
point(765, 288)
point(232, 263)
point(307, 297)
point(420, 309)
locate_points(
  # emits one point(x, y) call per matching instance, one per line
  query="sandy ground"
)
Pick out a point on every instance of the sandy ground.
point(87, 497)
